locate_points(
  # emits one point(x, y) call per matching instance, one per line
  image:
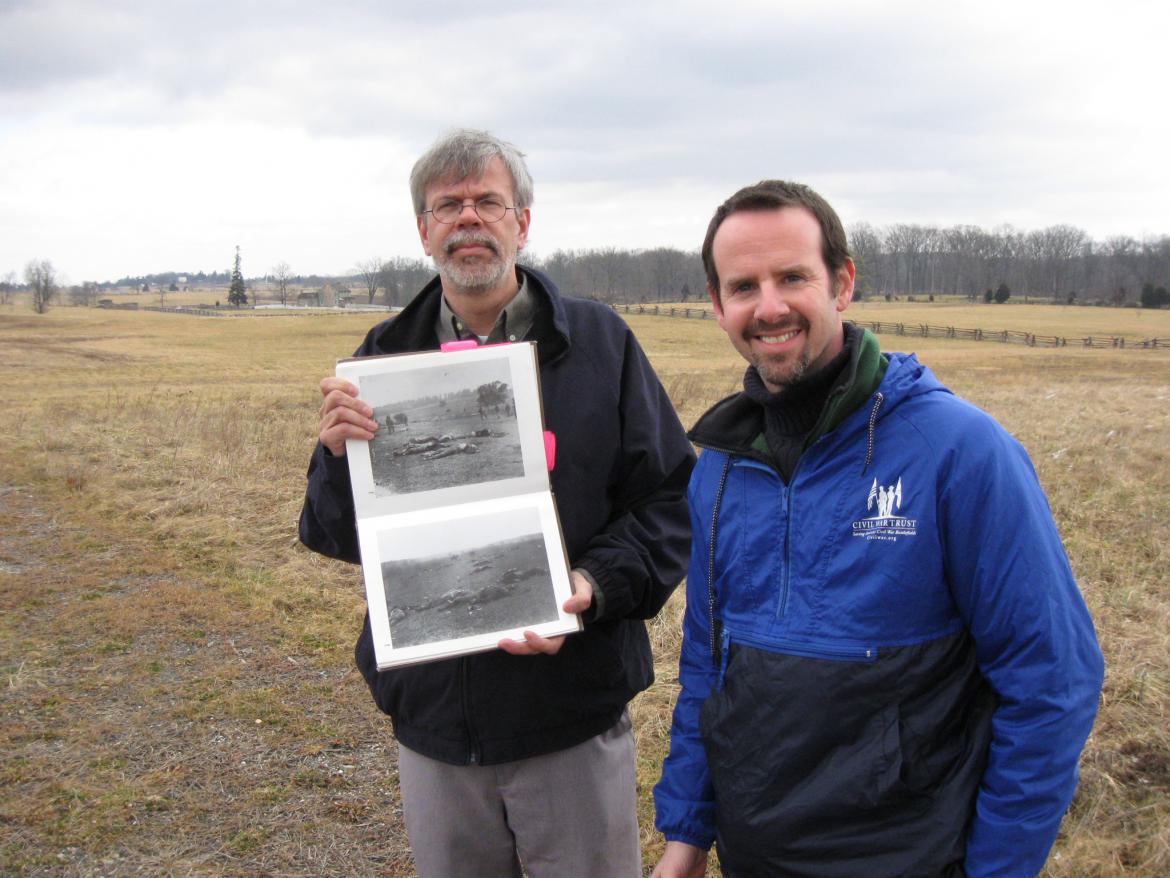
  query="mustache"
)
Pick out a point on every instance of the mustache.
point(458, 239)
point(759, 327)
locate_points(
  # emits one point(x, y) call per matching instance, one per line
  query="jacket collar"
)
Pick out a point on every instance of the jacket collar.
point(414, 327)
point(736, 424)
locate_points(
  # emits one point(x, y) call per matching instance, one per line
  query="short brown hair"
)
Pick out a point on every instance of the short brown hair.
point(773, 195)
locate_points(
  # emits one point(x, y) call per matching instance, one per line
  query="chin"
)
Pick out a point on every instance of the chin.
point(782, 378)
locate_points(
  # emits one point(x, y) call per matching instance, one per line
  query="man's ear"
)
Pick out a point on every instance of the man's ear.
point(524, 218)
point(717, 304)
point(846, 275)
point(714, 294)
point(422, 233)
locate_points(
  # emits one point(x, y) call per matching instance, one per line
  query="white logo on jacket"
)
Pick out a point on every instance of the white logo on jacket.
point(886, 524)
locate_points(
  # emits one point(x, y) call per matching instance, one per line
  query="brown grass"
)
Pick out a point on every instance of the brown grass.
point(1067, 321)
point(178, 695)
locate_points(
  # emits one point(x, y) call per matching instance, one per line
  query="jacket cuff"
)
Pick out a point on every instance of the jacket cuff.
point(597, 607)
point(701, 844)
point(335, 466)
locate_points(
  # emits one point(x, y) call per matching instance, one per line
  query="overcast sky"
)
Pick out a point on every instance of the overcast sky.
point(138, 137)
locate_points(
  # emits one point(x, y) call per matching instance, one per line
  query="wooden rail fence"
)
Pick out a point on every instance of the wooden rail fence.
point(917, 330)
point(925, 330)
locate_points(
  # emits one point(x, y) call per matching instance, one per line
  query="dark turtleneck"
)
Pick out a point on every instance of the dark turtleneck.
point(791, 414)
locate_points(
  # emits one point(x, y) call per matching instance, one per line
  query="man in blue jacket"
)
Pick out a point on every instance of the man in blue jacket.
point(887, 668)
point(525, 755)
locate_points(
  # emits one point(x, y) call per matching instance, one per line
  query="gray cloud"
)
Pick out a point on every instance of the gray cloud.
point(904, 111)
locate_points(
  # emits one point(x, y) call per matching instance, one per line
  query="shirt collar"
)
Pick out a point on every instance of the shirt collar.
point(512, 324)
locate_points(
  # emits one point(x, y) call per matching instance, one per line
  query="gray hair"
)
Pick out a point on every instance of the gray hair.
point(466, 152)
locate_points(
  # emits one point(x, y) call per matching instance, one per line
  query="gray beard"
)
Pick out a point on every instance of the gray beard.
point(472, 278)
point(480, 277)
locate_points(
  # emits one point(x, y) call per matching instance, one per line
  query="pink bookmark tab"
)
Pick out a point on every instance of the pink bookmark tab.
point(550, 449)
point(465, 344)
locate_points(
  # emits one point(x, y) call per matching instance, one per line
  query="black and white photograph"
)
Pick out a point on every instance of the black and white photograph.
point(458, 580)
point(443, 426)
point(453, 427)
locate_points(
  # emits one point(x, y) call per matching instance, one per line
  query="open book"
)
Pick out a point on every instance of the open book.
point(459, 537)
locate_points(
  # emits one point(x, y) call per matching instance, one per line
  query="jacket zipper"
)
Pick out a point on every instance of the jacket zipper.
point(798, 647)
point(878, 399)
point(724, 643)
point(473, 750)
point(782, 609)
point(712, 622)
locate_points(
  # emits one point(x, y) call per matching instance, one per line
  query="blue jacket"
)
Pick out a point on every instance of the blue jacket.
point(887, 668)
point(619, 485)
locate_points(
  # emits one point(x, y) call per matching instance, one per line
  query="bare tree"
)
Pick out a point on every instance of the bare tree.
point(907, 243)
point(401, 278)
point(370, 272)
point(83, 295)
point(41, 277)
point(866, 246)
point(7, 288)
point(281, 275)
point(1056, 250)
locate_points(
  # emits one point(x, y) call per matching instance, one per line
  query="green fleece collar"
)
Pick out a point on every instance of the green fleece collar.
point(864, 373)
point(736, 424)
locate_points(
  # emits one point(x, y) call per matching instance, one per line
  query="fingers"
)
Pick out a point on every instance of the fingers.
point(343, 416)
point(681, 860)
point(532, 644)
point(582, 597)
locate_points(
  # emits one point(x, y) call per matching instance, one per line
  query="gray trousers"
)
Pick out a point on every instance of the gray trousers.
point(571, 814)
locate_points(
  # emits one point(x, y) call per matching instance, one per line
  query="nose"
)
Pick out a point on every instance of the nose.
point(771, 306)
point(467, 215)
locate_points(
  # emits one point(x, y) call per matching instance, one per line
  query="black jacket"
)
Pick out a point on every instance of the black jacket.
point(620, 480)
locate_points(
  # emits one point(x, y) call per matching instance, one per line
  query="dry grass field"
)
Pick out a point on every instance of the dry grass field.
point(178, 696)
point(1070, 322)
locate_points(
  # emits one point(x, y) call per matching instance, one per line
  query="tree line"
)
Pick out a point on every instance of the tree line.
point(660, 275)
point(1060, 263)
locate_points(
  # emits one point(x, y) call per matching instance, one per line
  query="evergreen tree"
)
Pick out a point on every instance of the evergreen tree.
point(237, 294)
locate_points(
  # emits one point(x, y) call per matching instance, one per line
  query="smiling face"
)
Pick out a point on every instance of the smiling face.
point(778, 302)
point(473, 256)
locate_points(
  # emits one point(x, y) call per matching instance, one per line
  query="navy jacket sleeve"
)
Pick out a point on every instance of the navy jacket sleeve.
point(327, 517)
point(1035, 644)
point(328, 523)
point(638, 556)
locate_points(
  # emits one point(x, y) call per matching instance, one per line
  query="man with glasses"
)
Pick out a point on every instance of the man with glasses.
point(525, 755)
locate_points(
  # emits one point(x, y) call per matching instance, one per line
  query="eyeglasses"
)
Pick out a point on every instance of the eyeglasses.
point(490, 210)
